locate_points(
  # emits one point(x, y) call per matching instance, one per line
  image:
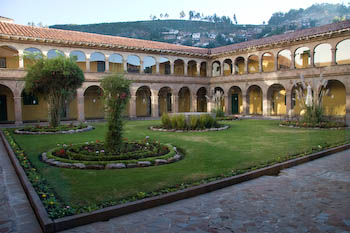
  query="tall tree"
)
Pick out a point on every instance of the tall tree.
point(234, 18)
point(182, 14)
point(56, 79)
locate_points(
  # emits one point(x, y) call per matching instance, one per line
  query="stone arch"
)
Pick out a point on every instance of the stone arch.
point(334, 103)
point(240, 65)
point(284, 59)
point(165, 100)
point(116, 63)
point(235, 100)
point(203, 69)
point(93, 102)
point(80, 59)
point(255, 100)
point(202, 99)
point(97, 62)
point(143, 102)
point(149, 65)
point(342, 52)
point(302, 57)
point(253, 64)
point(227, 67)
point(32, 53)
point(9, 57)
point(52, 53)
point(192, 68)
point(179, 67)
point(7, 105)
point(277, 102)
point(164, 66)
point(216, 68)
point(184, 99)
point(268, 62)
point(323, 55)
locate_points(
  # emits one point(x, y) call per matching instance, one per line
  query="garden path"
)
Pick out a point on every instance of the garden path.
point(16, 214)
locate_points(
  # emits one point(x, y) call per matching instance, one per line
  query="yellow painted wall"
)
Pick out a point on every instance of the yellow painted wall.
point(344, 61)
point(255, 101)
point(192, 70)
point(184, 102)
point(335, 106)
point(9, 102)
point(279, 108)
point(73, 109)
point(37, 112)
point(142, 103)
point(253, 65)
point(93, 109)
point(163, 108)
point(116, 67)
point(268, 64)
point(12, 62)
point(227, 69)
point(179, 69)
point(241, 67)
point(203, 71)
point(93, 66)
point(82, 66)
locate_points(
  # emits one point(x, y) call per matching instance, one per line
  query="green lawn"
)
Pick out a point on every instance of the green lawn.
point(244, 144)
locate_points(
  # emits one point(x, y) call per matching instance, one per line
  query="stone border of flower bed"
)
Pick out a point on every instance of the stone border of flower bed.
point(318, 128)
point(154, 128)
point(49, 226)
point(80, 165)
point(88, 128)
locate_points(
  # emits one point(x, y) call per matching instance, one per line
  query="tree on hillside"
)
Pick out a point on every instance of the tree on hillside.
point(190, 15)
point(57, 79)
point(234, 18)
point(182, 14)
point(166, 15)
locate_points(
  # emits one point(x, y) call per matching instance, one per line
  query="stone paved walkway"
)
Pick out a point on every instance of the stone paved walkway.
point(313, 197)
point(16, 214)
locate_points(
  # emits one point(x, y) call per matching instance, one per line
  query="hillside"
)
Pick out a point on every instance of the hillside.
point(217, 32)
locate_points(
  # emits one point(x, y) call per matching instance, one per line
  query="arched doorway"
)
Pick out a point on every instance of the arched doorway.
point(143, 102)
point(202, 100)
point(276, 95)
point(184, 100)
point(7, 107)
point(164, 100)
point(93, 103)
point(254, 100)
point(334, 103)
point(236, 105)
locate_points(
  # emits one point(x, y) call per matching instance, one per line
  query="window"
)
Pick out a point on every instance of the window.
point(101, 66)
point(30, 99)
point(2, 62)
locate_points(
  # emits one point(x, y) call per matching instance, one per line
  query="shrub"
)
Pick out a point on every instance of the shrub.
point(193, 122)
point(166, 122)
point(181, 121)
point(218, 112)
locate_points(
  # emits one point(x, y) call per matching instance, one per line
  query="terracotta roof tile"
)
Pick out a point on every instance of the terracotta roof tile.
point(66, 35)
point(284, 37)
point(74, 36)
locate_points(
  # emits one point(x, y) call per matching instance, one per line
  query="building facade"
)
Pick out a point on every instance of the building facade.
point(256, 77)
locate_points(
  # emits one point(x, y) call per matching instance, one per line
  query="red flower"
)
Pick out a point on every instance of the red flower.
point(97, 141)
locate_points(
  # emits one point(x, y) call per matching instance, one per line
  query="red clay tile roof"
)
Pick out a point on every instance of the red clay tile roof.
point(284, 37)
point(74, 36)
point(66, 35)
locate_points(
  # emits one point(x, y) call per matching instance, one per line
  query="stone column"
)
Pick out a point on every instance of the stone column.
point(18, 109)
point(347, 116)
point(87, 63)
point(141, 67)
point(244, 105)
point(198, 69)
point(334, 56)
point(125, 66)
point(132, 109)
point(260, 64)
point(185, 69)
point(289, 103)
point(194, 103)
point(209, 70)
point(222, 66)
point(312, 54)
point(172, 68)
point(154, 102)
point(266, 104)
point(246, 66)
point(292, 63)
point(227, 108)
point(20, 59)
point(157, 68)
point(276, 63)
point(175, 103)
point(80, 102)
point(107, 63)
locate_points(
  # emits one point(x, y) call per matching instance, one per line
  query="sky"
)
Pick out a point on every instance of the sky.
point(91, 11)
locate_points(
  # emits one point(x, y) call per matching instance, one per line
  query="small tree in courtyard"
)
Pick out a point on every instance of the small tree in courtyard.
point(56, 79)
point(116, 94)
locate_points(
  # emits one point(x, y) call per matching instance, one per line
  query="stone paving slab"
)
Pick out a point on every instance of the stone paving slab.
point(16, 214)
point(313, 197)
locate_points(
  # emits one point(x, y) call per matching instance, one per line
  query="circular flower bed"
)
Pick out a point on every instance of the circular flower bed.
point(62, 129)
point(93, 155)
point(160, 128)
point(319, 125)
